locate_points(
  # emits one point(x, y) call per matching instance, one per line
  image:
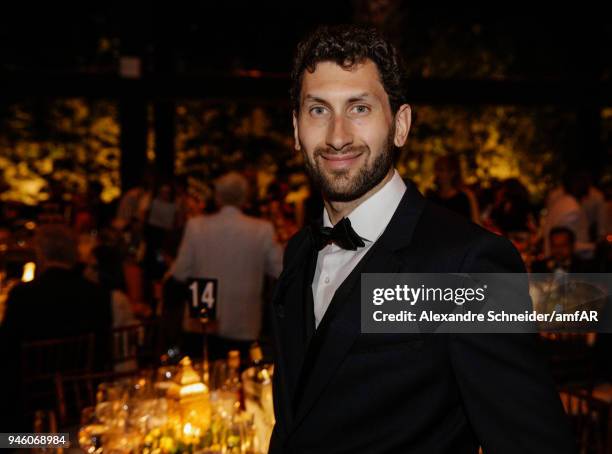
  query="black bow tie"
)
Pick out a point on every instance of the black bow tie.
point(341, 234)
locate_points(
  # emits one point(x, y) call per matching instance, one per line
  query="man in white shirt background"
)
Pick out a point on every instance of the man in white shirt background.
point(238, 251)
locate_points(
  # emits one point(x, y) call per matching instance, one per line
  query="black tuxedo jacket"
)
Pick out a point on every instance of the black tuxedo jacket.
point(337, 390)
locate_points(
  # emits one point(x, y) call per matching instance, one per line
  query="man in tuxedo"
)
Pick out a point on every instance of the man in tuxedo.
point(336, 389)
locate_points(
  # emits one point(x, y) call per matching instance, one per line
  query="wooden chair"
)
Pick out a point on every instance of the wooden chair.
point(134, 346)
point(41, 360)
point(571, 357)
point(591, 419)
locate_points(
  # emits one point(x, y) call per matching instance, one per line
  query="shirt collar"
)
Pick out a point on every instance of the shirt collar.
point(370, 218)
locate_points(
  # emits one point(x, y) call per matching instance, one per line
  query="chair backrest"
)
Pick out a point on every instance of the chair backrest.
point(134, 346)
point(73, 393)
point(41, 360)
point(590, 418)
point(571, 357)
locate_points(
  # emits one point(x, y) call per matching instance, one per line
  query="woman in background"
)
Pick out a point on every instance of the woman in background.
point(449, 191)
point(105, 270)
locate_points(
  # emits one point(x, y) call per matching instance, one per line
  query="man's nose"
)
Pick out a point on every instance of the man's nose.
point(339, 133)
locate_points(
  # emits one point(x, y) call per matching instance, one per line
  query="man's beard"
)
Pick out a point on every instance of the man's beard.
point(367, 177)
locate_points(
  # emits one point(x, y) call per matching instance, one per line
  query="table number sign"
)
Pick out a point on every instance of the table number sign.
point(203, 298)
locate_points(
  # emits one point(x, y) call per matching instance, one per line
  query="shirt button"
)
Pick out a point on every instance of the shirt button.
point(326, 280)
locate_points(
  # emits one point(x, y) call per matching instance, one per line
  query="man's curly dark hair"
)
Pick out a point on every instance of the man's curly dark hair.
point(347, 45)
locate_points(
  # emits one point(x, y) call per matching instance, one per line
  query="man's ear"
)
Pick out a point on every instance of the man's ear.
point(296, 135)
point(403, 120)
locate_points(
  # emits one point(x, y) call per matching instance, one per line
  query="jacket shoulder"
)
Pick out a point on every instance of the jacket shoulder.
point(450, 236)
point(196, 221)
point(259, 223)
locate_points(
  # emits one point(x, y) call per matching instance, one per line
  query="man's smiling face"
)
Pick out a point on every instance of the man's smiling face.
point(345, 129)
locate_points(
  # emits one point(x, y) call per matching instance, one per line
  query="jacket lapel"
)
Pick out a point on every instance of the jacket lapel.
point(308, 306)
point(341, 324)
point(288, 303)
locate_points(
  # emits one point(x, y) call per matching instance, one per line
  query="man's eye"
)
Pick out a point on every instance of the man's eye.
point(360, 109)
point(317, 111)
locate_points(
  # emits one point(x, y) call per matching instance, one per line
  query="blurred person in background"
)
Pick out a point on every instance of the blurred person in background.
point(58, 303)
point(562, 243)
point(181, 202)
point(511, 215)
point(161, 221)
point(162, 211)
point(605, 229)
point(134, 203)
point(280, 213)
point(487, 196)
point(105, 270)
point(90, 211)
point(449, 191)
point(603, 251)
point(564, 210)
point(130, 221)
point(238, 251)
point(511, 211)
point(591, 200)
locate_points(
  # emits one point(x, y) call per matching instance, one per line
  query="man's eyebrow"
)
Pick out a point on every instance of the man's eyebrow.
point(360, 97)
point(355, 98)
point(315, 99)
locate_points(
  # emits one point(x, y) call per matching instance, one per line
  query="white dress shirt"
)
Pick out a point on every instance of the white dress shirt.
point(237, 250)
point(369, 220)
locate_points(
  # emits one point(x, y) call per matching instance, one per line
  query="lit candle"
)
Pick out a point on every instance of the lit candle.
point(191, 434)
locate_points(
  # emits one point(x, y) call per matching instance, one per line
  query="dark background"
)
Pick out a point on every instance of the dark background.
point(501, 54)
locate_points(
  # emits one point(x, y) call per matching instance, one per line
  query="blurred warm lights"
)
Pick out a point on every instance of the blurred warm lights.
point(255, 73)
point(28, 272)
point(29, 166)
point(190, 430)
